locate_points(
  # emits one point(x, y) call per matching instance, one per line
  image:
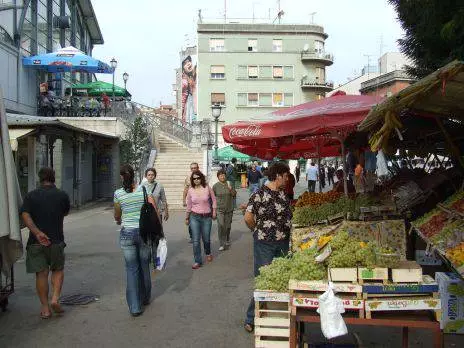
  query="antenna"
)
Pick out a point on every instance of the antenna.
point(368, 62)
point(381, 46)
point(312, 17)
point(200, 19)
point(225, 11)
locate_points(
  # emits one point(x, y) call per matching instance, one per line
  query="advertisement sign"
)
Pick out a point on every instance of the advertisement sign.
point(189, 86)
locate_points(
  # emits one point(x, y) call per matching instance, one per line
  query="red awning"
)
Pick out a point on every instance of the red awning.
point(340, 113)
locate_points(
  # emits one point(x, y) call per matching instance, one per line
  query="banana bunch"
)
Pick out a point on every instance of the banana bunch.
point(379, 139)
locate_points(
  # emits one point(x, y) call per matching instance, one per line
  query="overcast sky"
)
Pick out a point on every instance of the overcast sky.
point(145, 36)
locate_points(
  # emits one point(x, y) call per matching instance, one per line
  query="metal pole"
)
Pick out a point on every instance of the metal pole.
point(216, 141)
point(112, 106)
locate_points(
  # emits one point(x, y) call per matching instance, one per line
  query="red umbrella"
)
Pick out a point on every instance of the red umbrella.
point(340, 113)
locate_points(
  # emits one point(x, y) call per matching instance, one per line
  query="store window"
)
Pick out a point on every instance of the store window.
point(218, 98)
point(218, 72)
point(252, 45)
point(253, 99)
point(277, 71)
point(252, 71)
point(216, 45)
point(277, 99)
point(277, 45)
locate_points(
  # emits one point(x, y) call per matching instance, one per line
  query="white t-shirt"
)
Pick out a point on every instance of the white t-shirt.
point(311, 173)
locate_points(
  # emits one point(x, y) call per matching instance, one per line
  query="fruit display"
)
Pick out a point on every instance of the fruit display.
point(434, 224)
point(350, 252)
point(387, 257)
point(298, 266)
point(317, 198)
point(456, 255)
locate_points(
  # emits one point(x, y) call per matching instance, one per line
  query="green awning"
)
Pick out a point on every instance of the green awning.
point(97, 88)
point(227, 153)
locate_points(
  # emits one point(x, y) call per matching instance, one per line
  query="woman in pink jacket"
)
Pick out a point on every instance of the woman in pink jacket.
point(201, 210)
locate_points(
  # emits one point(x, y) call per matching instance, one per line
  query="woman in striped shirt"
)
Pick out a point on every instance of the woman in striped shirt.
point(127, 205)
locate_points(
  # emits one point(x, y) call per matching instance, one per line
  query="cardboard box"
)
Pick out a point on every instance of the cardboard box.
point(452, 302)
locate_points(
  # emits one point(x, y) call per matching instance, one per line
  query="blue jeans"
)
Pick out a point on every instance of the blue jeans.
point(264, 253)
point(253, 188)
point(137, 258)
point(201, 229)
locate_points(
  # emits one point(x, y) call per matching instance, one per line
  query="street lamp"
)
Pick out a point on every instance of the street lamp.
point(114, 65)
point(125, 77)
point(216, 112)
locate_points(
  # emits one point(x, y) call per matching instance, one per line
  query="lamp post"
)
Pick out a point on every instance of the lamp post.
point(125, 77)
point(216, 112)
point(114, 65)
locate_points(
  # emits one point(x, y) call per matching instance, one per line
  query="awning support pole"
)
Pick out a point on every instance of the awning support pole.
point(454, 149)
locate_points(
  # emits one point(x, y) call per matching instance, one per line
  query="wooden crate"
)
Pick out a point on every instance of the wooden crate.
point(407, 272)
point(272, 319)
point(427, 287)
point(306, 294)
point(375, 274)
point(423, 303)
point(343, 274)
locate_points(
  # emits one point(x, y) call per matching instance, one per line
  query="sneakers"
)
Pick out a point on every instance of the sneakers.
point(209, 258)
point(221, 248)
point(228, 243)
point(196, 266)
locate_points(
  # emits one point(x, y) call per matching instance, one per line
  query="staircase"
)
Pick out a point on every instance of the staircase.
point(172, 165)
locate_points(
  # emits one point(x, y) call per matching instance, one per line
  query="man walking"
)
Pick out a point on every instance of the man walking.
point(297, 172)
point(43, 212)
point(193, 167)
point(254, 176)
point(311, 177)
point(268, 215)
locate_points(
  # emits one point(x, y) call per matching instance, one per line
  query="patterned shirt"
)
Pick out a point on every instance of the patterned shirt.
point(272, 213)
point(131, 204)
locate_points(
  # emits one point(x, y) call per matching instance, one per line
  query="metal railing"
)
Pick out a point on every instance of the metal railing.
point(317, 84)
point(317, 56)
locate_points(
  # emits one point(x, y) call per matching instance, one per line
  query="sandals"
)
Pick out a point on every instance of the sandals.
point(45, 315)
point(249, 327)
point(57, 308)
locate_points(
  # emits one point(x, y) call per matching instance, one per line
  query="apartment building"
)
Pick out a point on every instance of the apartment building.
point(254, 69)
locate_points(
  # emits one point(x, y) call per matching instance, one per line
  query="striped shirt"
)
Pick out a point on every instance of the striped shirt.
point(131, 204)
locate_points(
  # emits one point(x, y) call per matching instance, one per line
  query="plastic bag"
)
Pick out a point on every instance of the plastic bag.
point(382, 168)
point(330, 309)
point(161, 254)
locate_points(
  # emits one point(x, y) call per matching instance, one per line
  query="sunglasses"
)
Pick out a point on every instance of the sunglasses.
point(196, 178)
point(193, 168)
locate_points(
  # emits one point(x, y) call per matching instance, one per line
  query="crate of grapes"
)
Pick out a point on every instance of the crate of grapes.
point(272, 319)
point(376, 274)
point(306, 294)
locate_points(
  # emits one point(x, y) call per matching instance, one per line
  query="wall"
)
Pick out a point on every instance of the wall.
point(390, 89)
point(237, 54)
point(106, 125)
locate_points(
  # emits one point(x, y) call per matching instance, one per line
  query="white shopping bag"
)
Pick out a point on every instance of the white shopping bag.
point(330, 309)
point(161, 254)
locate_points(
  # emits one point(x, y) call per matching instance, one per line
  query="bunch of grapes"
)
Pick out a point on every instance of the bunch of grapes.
point(274, 276)
point(304, 267)
point(345, 256)
point(365, 255)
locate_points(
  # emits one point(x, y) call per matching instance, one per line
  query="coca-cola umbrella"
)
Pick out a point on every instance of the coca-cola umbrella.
point(270, 154)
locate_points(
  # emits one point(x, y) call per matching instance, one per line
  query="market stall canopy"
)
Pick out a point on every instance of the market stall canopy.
point(97, 88)
point(419, 111)
point(228, 152)
point(66, 60)
point(340, 113)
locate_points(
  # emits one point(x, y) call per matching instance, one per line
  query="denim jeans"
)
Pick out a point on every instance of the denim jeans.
point(253, 188)
point(201, 229)
point(137, 258)
point(264, 253)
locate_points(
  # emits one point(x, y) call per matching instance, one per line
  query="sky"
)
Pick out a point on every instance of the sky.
point(145, 36)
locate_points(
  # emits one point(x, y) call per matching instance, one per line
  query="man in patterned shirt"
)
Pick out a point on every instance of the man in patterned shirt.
point(269, 216)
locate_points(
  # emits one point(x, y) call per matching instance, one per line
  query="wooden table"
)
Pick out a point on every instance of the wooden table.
point(417, 320)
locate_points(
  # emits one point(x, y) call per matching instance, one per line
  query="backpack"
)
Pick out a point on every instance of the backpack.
point(150, 227)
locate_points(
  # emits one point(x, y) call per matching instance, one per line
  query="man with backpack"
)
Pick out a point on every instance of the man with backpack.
point(231, 176)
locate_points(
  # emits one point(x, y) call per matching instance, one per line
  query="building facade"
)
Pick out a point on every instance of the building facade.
point(30, 27)
point(254, 69)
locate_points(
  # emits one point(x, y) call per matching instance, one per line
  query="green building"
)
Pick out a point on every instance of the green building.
point(254, 69)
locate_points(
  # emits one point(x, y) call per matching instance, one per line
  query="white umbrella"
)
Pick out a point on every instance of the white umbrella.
point(11, 248)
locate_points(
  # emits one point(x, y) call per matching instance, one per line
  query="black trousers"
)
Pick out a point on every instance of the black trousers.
point(311, 185)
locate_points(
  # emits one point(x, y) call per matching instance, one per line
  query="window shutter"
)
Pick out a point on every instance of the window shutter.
point(278, 71)
point(252, 96)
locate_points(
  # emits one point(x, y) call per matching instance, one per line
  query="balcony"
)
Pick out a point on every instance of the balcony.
point(321, 57)
point(321, 86)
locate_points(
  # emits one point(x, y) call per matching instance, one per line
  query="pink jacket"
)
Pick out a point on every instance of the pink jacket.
point(198, 200)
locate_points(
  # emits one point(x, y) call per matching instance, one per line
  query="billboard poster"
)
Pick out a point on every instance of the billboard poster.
point(189, 85)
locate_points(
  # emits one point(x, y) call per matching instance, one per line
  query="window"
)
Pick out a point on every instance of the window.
point(277, 99)
point(277, 72)
point(252, 45)
point(318, 46)
point(265, 72)
point(288, 72)
point(265, 99)
point(242, 99)
point(253, 99)
point(288, 99)
point(218, 98)
point(277, 45)
point(218, 72)
point(320, 75)
point(242, 71)
point(253, 71)
point(216, 45)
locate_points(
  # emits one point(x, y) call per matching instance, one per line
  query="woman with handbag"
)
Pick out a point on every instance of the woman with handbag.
point(201, 210)
point(128, 202)
point(225, 208)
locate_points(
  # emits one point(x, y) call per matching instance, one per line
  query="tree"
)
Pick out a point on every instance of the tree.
point(434, 33)
point(136, 144)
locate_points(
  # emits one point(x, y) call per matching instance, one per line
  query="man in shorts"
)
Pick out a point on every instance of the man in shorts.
point(43, 212)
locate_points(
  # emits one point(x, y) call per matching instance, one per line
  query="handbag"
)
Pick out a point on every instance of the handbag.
point(150, 227)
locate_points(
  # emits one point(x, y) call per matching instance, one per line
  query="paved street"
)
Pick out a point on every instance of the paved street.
point(203, 308)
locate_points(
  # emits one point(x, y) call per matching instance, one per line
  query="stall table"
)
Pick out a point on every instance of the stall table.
point(416, 320)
